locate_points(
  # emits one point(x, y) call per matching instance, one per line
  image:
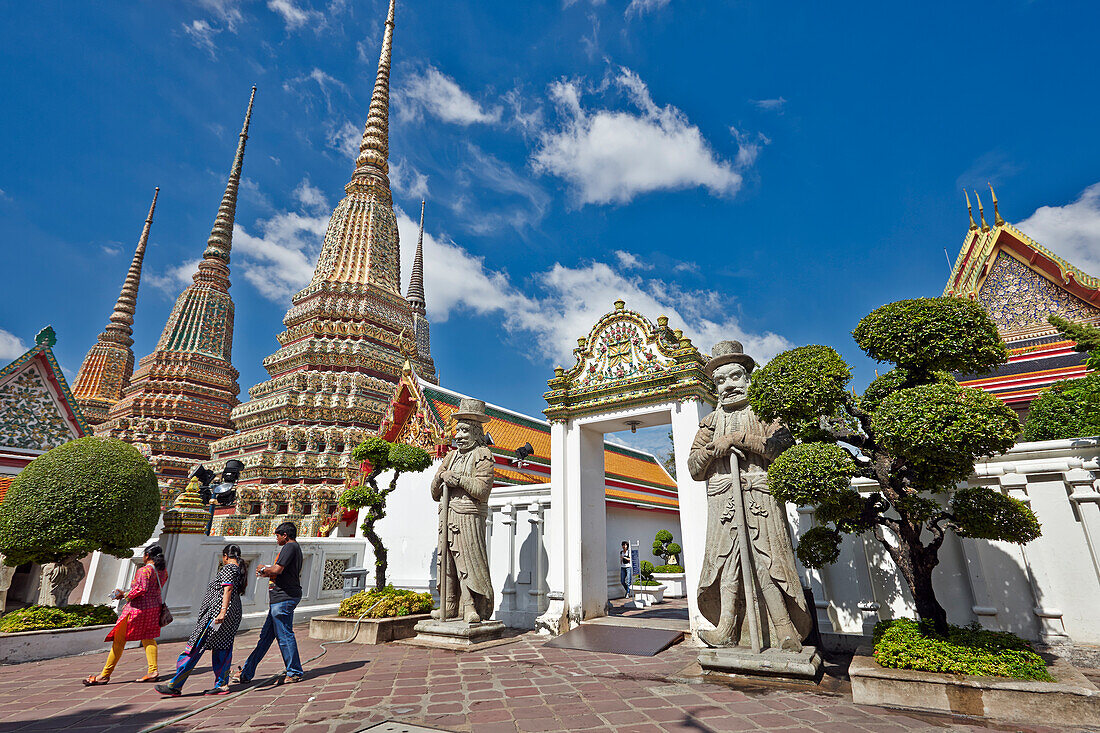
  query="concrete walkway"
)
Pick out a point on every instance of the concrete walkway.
point(522, 686)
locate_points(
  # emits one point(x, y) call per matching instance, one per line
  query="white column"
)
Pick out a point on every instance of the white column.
point(692, 494)
point(552, 621)
point(586, 517)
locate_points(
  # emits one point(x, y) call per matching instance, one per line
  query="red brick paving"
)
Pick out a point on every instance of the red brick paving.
point(522, 686)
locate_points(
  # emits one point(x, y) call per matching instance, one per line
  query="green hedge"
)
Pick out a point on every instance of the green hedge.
point(906, 644)
point(38, 618)
point(394, 602)
point(669, 569)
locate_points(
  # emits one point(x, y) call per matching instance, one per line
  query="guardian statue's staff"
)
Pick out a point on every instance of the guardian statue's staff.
point(467, 475)
point(731, 453)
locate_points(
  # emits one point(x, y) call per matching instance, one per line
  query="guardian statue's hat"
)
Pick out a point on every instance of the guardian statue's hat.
point(725, 352)
point(471, 409)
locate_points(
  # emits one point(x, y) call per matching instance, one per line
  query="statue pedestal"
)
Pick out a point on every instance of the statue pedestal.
point(456, 634)
point(804, 666)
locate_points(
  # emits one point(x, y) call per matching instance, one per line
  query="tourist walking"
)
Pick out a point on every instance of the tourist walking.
point(219, 618)
point(140, 619)
point(284, 593)
point(625, 568)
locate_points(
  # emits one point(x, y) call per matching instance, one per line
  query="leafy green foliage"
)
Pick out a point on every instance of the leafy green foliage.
point(645, 570)
point(810, 473)
point(819, 546)
point(38, 618)
point(88, 494)
point(1087, 338)
point(374, 450)
point(939, 430)
point(896, 379)
point(799, 387)
point(1067, 409)
point(664, 547)
point(932, 334)
point(986, 514)
point(669, 569)
point(906, 644)
point(408, 458)
point(390, 602)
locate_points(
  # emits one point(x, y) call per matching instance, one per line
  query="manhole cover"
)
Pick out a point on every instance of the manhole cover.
point(392, 726)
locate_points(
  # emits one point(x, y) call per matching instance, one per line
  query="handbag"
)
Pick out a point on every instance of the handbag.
point(165, 613)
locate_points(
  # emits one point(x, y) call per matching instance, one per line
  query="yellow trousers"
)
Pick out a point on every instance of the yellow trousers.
point(120, 644)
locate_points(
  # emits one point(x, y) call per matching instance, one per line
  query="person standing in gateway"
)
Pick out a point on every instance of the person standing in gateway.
point(284, 593)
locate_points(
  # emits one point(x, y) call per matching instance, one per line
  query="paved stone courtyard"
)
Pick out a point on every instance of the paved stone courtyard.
point(520, 686)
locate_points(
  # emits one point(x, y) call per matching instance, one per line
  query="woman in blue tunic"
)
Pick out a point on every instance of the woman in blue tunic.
point(219, 617)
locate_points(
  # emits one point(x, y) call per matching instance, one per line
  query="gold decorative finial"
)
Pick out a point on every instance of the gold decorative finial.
point(997, 220)
point(970, 211)
point(981, 212)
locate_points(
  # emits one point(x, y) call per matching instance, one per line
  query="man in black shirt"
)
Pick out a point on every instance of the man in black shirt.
point(284, 593)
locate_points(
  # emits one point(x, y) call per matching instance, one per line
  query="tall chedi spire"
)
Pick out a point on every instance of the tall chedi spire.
point(416, 280)
point(347, 336)
point(108, 365)
point(181, 395)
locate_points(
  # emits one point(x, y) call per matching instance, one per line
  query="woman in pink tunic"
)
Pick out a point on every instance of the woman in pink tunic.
point(140, 619)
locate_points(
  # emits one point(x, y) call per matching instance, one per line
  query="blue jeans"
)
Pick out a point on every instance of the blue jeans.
point(278, 626)
point(625, 576)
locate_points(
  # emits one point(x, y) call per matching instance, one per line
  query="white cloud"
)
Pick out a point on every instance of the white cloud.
point(227, 12)
point(294, 16)
point(112, 250)
point(11, 347)
point(300, 85)
point(630, 261)
point(311, 198)
point(640, 7)
point(524, 202)
point(345, 138)
point(202, 35)
point(612, 156)
point(770, 105)
point(280, 260)
point(173, 280)
point(250, 191)
point(438, 94)
point(407, 180)
point(562, 303)
point(1072, 231)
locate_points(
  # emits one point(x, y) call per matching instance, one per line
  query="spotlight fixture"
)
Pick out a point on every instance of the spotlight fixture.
point(521, 454)
point(633, 425)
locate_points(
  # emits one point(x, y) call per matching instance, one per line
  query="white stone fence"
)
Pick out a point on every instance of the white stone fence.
point(1047, 590)
point(194, 558)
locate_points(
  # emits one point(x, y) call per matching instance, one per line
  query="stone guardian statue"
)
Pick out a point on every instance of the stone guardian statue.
point(464, 560)
point(731, 453)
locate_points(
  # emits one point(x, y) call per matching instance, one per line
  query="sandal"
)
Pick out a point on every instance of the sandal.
point(149, 678)
point(294, 678)
point(168, 691)
point(94, 679)
point(237, 677)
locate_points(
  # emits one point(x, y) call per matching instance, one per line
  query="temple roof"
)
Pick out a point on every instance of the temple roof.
point(420, 414)
point(37, 410)
point(1019, 281)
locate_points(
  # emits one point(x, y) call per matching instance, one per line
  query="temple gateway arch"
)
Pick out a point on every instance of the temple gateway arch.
point(629, 372)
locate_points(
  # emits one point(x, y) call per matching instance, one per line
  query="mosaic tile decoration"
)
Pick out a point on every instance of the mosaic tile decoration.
point(29, 418)
point(1016, 296)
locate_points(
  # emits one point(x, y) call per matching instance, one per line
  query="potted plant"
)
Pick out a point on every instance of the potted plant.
point(670, 573)
point(646, 590)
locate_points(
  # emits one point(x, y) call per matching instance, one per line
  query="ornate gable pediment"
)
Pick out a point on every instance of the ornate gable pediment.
point(628, 360)
point(408, 418)
point(37, 410)
point(1018, 297)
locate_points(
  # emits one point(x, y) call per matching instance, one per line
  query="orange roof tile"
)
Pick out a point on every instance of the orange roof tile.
point(5, 482)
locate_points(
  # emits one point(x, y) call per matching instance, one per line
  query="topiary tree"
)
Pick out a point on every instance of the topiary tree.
point(665, 548)
point(88, 494)
point(380, 456)
point(1069, 408)
point(917, 433)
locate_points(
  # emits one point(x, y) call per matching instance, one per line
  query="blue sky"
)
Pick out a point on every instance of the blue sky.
point(763, 170)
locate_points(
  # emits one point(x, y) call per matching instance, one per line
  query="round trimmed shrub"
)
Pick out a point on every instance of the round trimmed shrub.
point(88, 494)
point(800, 385)
point(932, 334)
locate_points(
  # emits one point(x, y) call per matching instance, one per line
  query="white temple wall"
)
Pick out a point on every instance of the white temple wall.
point(1046, 590)
point(635, 525)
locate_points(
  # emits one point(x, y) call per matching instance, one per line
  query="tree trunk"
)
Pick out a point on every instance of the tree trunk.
point(924, 595)
point(381, 557)
point(58, 581)
point(915, 563)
